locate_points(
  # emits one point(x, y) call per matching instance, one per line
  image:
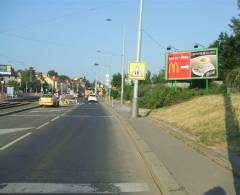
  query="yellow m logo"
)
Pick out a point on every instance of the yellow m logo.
point(172, 67)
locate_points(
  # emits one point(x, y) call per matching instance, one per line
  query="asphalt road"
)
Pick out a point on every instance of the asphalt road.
point(80, 149)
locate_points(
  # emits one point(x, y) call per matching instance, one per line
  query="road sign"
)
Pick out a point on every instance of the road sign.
point(197, 64)
point(10, 91)
point(136, 71)
point(5, 69)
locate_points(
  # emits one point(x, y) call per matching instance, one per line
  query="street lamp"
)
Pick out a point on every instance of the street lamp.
point(171, 47)
point(123, 58)
point(95, 91)
point(197, 45)
point(139, 47)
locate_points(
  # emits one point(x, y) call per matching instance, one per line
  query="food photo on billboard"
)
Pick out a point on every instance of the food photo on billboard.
point(204, 64)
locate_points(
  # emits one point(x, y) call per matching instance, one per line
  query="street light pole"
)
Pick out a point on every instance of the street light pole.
point(2, 83)
point(139, 47)
point(123, 62)
point(96, 80)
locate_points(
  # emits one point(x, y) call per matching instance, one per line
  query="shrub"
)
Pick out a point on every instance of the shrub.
point(159, 95)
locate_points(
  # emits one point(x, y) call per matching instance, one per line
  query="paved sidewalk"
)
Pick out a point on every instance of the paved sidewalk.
point(195, 172)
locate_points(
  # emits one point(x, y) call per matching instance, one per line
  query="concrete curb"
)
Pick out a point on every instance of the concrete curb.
point(209, 153)
point(19, 110)
point(164, 180)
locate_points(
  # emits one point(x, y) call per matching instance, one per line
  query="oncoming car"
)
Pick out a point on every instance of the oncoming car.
point(92, 98)
point(49, 100)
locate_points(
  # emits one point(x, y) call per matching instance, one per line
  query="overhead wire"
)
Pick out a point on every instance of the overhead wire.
point(153, 39)
point(9, 33)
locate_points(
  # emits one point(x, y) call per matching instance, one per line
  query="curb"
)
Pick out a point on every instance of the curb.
point(163, 179)
point(19, 110)
point(209, 153)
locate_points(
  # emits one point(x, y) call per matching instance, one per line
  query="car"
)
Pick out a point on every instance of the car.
point(49, 100)
point(92, 98)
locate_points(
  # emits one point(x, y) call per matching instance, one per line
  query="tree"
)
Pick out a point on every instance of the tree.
point(117, 80)
point(229, 48)
point(147, 79)
point(158, 78)
point(29, 80)
point(12, 83)
point(52, 73)
point(63, 77)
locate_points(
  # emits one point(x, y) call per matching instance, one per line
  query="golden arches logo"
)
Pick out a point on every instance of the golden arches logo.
point(173, 66)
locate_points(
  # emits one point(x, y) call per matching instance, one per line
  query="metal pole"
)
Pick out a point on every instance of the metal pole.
point(2, 89)
point(175, 86)
point(207, 85)
point(96, 79)
point(26, 87)
point(123, 62)
point(96, 84)
point(139, 46)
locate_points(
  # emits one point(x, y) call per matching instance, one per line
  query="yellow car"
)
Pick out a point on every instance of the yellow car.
point(49, 100)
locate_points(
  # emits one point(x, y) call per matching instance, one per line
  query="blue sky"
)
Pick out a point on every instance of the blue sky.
point(65, 35)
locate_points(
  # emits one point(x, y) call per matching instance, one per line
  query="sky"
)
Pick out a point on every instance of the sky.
point(70, 36)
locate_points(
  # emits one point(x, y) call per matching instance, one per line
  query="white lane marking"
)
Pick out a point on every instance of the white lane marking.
point(88, 116)
point(101, 188)
point(40, 111)
point(15, 141)
point(86, 108)
point(41, 126)
point(57, 117)
point(12, 130)
point(32, 115)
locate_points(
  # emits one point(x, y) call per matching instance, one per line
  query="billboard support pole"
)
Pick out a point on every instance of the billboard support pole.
point(207, 85)
point(175, 85)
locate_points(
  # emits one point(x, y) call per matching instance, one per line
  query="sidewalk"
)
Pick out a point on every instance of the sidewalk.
point(194, 171)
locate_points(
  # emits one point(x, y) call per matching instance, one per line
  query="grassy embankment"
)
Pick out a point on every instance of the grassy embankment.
point(214, 119)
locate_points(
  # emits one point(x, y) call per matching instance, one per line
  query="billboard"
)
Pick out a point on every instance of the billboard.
point(5, 69)
point(10, 91)
point(197, 64)
point(136, 71)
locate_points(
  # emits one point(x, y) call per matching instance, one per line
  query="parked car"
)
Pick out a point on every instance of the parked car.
point(49, 100)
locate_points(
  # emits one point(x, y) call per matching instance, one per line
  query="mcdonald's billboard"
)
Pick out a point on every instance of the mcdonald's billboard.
point(197, 64)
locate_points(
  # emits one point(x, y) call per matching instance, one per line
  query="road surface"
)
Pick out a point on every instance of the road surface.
point(79, 149)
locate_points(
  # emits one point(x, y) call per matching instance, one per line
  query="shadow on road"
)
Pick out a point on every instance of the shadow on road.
point(233, 137)
point(215, 191)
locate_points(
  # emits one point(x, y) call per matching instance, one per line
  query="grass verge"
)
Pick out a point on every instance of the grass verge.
point(213, 119)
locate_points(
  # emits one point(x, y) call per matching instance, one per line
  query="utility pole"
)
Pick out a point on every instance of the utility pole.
point(30, 80)
point(123, 62)
point(95, 90)
point(139, 47)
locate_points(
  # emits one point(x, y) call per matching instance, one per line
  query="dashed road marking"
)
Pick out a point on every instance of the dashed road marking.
point(88, 116)
point(44, 124)
point(57, 117)
point(46, 110)
point(15, 141)
point(32, 115)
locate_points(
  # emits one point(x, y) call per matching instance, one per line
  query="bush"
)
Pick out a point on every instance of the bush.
point(159, 95)
point(128, 92)
point(115, 93)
